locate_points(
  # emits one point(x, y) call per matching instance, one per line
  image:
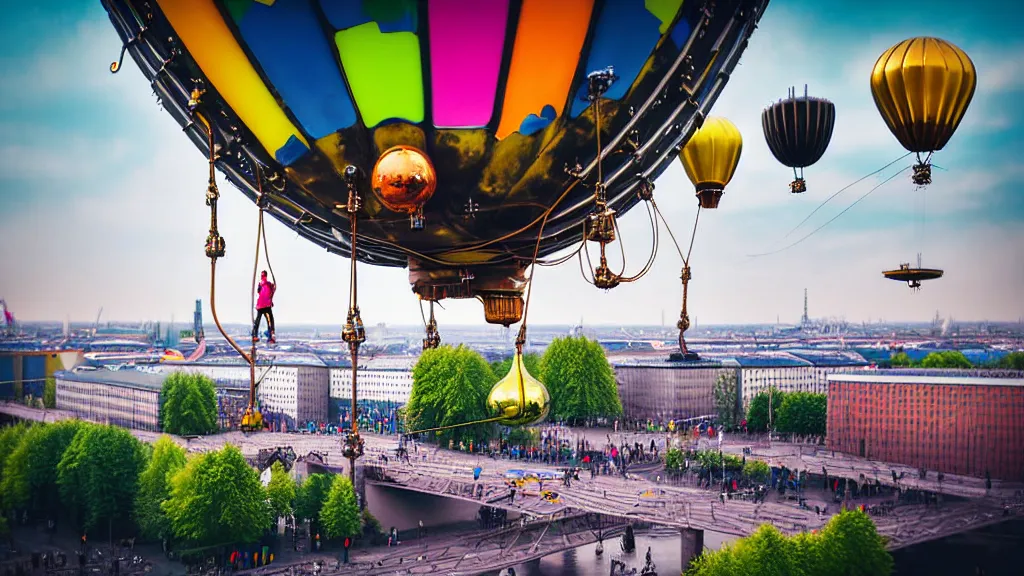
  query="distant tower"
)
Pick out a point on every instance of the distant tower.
point(197, 322)
point(805, 320)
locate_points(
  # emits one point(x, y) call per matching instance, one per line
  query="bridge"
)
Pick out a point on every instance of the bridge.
point(637, 500)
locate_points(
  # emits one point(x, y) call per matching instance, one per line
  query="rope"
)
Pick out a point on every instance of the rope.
point(834, 218)
point(655, 244)
point(213, 261)
point(843, 189)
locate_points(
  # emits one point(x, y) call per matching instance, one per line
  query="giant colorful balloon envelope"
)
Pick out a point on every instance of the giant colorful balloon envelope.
point(489, 101)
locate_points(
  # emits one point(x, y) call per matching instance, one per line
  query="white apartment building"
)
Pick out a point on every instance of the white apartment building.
point(380, 379)
point(297, 390)
point(792, 371)
point(123, 398)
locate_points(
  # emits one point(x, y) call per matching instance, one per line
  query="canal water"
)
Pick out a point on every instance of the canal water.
point(998, 550)
point(666, 552)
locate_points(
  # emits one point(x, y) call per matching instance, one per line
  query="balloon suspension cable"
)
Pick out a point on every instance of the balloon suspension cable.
point(684, 317)
point(923, 170)
point(603, 227)
point(353, 333)
point(843, 189)
point(563, 259)
point(433, 337)
point(655, 244)
point(215, 245)
point(834, 218)
point(798, 185)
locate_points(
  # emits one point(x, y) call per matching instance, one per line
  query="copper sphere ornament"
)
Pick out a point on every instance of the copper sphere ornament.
point(404, 179)
point(519, 399)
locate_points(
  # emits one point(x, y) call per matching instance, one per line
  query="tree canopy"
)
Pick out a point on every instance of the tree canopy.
point(726, 401)
point(450, 387)
point(580, 380)
point(280, 491)
point(217, 498)
point(802, 413)
point(946, 359)
point(30, 472)
point(757, 412)
point(901, 360)
point(98, 474)
point(188, 404)
point(1012, 361)
point(531, 362)
point(340, 513)
point(848, 545)
point(50, 393)
point(154, 487)
point(311, 495)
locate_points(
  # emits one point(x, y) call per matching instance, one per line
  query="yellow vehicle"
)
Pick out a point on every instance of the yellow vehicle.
point(252, 420)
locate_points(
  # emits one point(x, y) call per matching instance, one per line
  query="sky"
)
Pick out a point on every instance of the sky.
point(102, 195)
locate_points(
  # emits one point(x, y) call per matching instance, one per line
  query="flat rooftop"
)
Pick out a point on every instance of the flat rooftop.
point(874, 378)
point(125, 378)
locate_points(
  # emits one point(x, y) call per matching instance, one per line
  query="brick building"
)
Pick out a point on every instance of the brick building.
point(959, 425)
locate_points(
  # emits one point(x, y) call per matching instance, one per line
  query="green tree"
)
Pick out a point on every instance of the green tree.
point(340, 513)
point(188, 404)
point(10, 438)
point(850, 545)
point(98, 475)
point(154, 487)
point(311, 495)
point(30, 472)
point(50, 393)
point(946, 359)
point(1012, 361)
point(674, 460)
point(531, 362)
point(450, 387)
point(756, 470)
point(217, 499)
point(580, 380)
point(802, 413)
point(280, 491)
point(726, 400)
point(757, 413)
point(901, 360)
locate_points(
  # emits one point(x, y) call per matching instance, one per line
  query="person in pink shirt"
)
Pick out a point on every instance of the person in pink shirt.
point(264, 307)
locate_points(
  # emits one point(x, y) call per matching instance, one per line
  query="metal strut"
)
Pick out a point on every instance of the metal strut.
point(353, 333)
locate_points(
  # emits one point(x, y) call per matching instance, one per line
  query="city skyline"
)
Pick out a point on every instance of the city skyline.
point(102, 195)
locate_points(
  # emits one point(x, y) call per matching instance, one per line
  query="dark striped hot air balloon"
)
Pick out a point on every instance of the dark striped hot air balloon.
point(798, 130)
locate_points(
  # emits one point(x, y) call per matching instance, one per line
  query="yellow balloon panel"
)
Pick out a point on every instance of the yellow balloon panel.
point(202, 29)
point(922, 88)
point(711, 156)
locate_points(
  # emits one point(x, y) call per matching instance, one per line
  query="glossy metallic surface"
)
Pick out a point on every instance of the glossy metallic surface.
point(922, 88)
point(519, 398)
point(710, 158)
point(404, 179)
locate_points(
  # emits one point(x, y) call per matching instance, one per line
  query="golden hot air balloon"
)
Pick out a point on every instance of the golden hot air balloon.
point(922, 88)
point(518, 398)
point(710, 158)
point(404, 179)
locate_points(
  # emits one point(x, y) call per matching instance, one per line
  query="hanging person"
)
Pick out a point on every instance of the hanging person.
point(264, 307)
